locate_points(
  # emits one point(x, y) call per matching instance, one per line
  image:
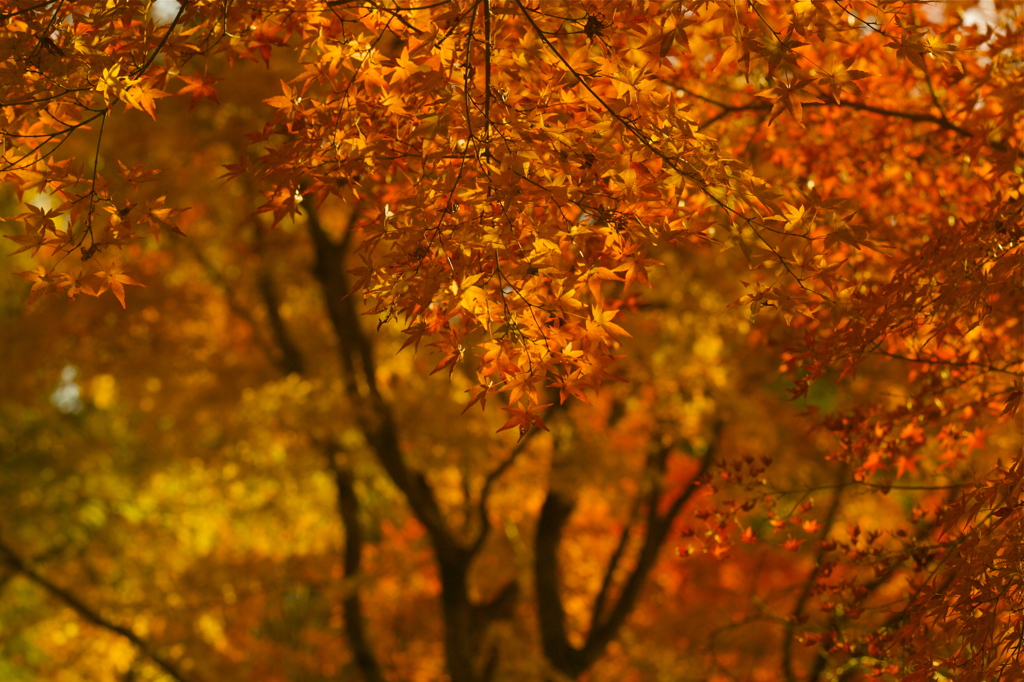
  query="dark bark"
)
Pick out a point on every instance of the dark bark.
point(289, 360)
point(573, 661)
point(464, 621)
point(352, 608)
point(375, 419)
point(562, 655)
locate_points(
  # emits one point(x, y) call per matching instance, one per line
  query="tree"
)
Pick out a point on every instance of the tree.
point(792, 231)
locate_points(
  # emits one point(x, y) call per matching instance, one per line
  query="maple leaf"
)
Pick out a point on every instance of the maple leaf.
point(199, 87)
point(42, 280)
point(792, 544)
point(28, 179)
point(910, 47)
point(29, 240)
point(789, 98)
point(141, 94)
point(116, 280)
point(285, 102)
point(843, 77)
point(1012, 403)
point(70, 283)
point(160, 216)
point(137, 173)
point(636, 271)
point(975, 440)
point(478, 394)
point(525, 418)
point(573, 384)
point(810, 526)
point(602, 318)
point(452, 352)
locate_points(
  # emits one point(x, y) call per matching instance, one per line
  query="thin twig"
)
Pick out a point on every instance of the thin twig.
point(163, 41)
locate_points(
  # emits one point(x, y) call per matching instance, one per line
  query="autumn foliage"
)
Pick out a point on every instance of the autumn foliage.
point(512, 340)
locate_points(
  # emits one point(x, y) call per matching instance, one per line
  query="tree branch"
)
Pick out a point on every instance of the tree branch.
point(26, 10)
point(487, 70)
point(491, 478)
point(88, 614)
point(375, 420)
point(805, 593)
point(373, 415)
point(570, 660)
point(163, 41)
point(728, 109)
point(616, 557)
point(234, 304)
point(658, 526)
point(550, 610)
point(352, 611)
point(290, 360)
point(950, 363)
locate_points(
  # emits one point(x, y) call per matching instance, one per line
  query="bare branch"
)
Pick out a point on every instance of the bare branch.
point(352, 610)
point(89, 614)
point(729, 109)
point(550, 610)
point(658, 527)
point(498, 472)
point(566, 658)
point(236, 306)
point(163, 41)
point(812, 576)
point(290, 359)
point(616, 557)
point(376, 421)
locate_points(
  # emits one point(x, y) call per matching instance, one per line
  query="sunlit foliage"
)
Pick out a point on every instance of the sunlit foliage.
point(511, 340)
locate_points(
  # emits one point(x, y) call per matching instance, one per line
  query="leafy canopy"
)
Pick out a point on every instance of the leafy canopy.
point(540, 192)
